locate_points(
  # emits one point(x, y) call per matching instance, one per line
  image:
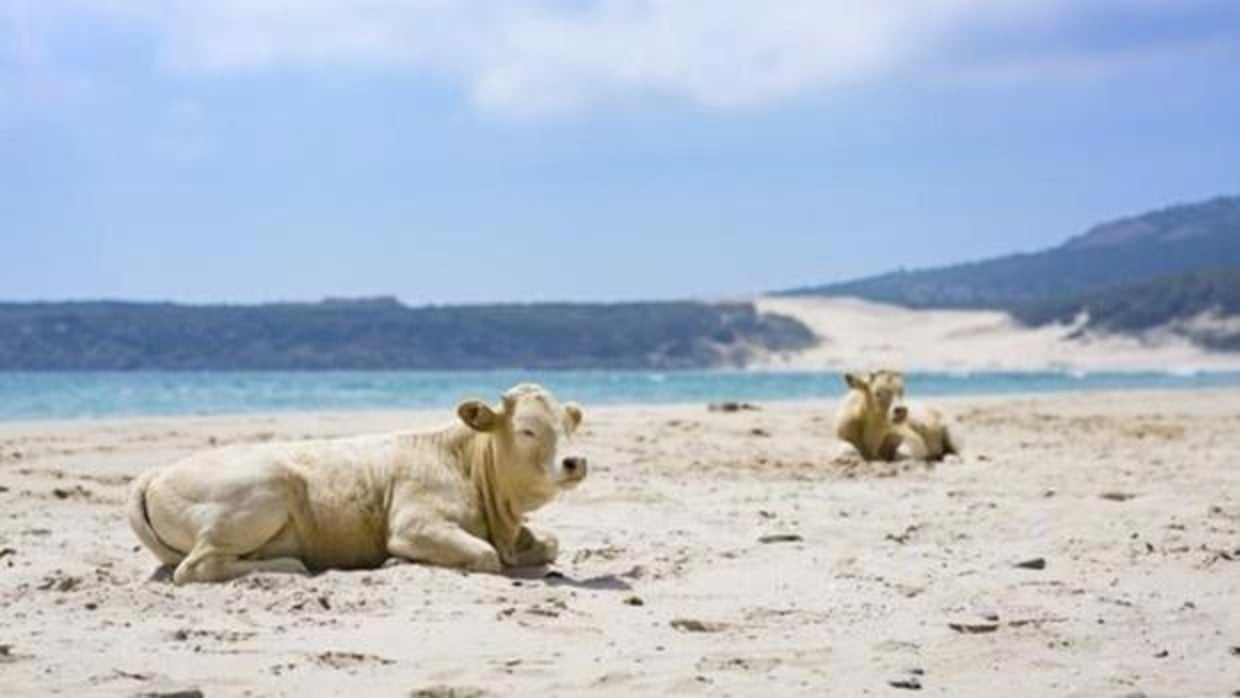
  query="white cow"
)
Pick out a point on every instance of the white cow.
point(456, 497)
point(874, 422)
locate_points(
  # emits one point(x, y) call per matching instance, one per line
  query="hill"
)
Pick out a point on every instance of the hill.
point(1175, 240)
point(383, 334)
point(1203, 306)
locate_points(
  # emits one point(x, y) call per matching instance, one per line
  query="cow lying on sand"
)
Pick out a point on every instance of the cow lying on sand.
point(456, 497)
point(874, 423)
point(924, 431)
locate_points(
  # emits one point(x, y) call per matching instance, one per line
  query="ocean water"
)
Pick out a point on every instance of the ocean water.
point(57, 395)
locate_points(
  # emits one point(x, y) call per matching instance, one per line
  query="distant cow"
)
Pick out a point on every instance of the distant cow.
point(456, 497)
point(874, 422)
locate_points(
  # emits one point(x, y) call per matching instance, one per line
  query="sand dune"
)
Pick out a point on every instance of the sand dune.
point(859, 334)
point(708, 554)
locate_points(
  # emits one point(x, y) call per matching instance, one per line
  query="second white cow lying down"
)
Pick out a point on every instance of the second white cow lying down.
point(456, 497)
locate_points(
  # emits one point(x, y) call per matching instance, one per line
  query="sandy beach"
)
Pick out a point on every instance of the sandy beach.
point(708, 554)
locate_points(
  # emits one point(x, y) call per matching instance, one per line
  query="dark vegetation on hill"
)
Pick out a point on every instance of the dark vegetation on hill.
point(1156, 270)
point(1179, 239)
point(383, 334)
point(1183, 303)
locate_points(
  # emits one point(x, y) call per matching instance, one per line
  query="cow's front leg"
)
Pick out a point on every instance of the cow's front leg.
point(447, 545)
point(846, 454)
point(533, 549)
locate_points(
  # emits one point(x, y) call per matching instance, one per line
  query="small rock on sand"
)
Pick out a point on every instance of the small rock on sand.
point(71, 492)
point(910, 682)
point(975, 627)
point(732, 407)
point(781, 538)
point(66, 583)
point(448, 692)
point(1117, 496)
point(1036, 563)
point(690, 625)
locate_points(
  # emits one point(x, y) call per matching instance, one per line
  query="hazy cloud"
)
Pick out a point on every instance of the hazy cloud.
point(530, 57)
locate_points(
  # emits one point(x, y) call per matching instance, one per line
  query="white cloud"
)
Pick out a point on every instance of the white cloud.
point(535, 56)
point(529, 57)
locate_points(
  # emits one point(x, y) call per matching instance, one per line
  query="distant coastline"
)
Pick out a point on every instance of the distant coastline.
point(383, 334)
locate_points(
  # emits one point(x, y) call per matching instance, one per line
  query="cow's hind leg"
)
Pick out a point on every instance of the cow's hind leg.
point(220, 551)
point(207, 564)
point(909, 444)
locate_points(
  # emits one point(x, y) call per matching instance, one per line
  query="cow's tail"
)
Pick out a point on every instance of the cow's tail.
point(140, 521)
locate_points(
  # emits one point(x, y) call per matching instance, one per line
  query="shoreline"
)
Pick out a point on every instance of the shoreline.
point(370, 413)
point(938, 386)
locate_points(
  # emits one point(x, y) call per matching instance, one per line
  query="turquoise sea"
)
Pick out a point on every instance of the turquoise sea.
point(57, 395)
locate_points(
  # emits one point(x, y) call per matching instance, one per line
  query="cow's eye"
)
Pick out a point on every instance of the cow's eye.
point(529, 432)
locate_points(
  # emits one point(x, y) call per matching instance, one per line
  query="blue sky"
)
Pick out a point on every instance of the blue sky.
point(478, 150)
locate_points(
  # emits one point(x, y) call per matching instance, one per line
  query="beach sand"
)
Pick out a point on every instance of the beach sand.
point(707, 554)
point(858, 334)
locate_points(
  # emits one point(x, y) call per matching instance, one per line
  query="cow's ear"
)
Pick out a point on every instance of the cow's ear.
point(575, 415)
point(856, 382)
point(477, 415)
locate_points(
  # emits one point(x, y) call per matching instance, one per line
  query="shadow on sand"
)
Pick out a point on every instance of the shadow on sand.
point(555, 578)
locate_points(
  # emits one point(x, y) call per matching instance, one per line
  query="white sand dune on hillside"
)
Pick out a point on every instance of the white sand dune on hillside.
point(862, 334)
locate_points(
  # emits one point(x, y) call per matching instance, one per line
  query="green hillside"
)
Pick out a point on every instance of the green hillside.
point(1174, 240)
point(383, 334)
point(1176, 303)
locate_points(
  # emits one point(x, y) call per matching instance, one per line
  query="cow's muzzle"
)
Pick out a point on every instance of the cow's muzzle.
point(574, 468)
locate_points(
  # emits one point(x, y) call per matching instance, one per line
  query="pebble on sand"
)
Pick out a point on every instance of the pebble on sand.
point(691, 625)
point(781, 538)
point(732, 407)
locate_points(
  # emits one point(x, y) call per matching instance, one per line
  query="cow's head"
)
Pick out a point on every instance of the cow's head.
point(529, 430)
point(884, 393)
